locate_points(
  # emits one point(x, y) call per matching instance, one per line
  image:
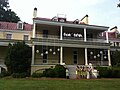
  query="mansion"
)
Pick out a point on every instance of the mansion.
point(59, 41)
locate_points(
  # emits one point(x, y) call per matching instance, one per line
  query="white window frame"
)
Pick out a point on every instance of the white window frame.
point(7, 37)
point(18, 25)
point(24, 37)
point(75, 54)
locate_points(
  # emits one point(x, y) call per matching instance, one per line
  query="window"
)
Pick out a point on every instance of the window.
point(26, 37)
point(8, 36)
point(45, 56)
point(45, 33)
point(20, 25)
point(75, 57)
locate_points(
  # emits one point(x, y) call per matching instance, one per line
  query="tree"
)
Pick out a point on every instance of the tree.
point(18, 59)
point(7, 14)
point(118, 5)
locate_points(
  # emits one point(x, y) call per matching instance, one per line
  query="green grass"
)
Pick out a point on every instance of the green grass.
point(53, 84)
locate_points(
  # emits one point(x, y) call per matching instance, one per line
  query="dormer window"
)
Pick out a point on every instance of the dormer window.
point(20, 25)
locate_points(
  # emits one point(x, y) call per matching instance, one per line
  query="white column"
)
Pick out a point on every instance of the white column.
point(107, 37)
point(109, 59)
point(61, 48)
point(61, 32)
point(61, 55)
point(85, 35)
point(86, 59)
point(33, 54)
point(34, 25)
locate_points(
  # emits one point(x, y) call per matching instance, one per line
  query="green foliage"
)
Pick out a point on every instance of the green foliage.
point(49, 73)
point(7, 14)
point(18, 59)
point(58, 72)
point(109, 72)
point(116, 58)
point(37, 75)
point(19, 75)
point(4, 73)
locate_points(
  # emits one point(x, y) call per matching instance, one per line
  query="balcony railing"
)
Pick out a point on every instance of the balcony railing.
point(54, 37)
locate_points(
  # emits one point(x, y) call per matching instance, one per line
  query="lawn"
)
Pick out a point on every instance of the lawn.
point(59, 84)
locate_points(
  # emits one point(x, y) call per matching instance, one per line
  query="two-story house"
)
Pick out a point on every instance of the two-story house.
point(59, 41)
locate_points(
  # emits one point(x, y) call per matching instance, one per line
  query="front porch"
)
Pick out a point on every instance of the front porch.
point(52, 55)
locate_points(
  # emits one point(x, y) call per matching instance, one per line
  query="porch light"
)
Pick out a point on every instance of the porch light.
point(54, 53)
point(94, 57)
point(46, 52)
point(50, 50)
point(91, 53)
point(37, 51)
point(58, 49)
point(41, 54)
point(101, 52)
point(98, 55)
point(105, 57)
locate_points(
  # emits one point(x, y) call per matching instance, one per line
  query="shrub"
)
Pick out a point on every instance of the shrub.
point(37, 75)
point(60, 71)
point(49, 73)
point(19, 75)
point(107, 72)
point(4, 73)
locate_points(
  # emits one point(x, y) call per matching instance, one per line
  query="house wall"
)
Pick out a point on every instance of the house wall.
point(68, 56)
point(18, 35)
point(52, 30)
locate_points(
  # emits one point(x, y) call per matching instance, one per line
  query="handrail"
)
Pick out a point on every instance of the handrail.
point(55, 37)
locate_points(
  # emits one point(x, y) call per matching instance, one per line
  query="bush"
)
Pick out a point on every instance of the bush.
point(4, 73)
point(49, 73)
point(107, 72)
point(37, 75)
point(60, 71)
point(19, 75)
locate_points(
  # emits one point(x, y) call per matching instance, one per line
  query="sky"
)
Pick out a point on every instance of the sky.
point(100, 12)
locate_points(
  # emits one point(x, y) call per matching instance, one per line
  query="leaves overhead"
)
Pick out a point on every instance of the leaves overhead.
point(6, 14)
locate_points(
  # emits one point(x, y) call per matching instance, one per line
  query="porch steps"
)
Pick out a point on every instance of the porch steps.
point(72, 71)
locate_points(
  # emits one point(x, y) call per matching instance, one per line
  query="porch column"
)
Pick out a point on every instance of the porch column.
point(61, 55)
point(109, 59)
point(34, 27)
point(61, 32)
point(107, 37)
point(33, 54)
point(85, 35)
point(86, 59)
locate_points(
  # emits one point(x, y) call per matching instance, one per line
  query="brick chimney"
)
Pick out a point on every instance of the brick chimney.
point(85, 19)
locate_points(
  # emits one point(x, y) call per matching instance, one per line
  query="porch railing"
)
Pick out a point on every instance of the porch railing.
point(99, 63)
point(48, 62)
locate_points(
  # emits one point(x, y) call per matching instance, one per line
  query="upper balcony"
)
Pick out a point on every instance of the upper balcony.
point(69, 35)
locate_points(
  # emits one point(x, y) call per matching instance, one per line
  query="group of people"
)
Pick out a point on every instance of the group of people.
point(83, 72)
